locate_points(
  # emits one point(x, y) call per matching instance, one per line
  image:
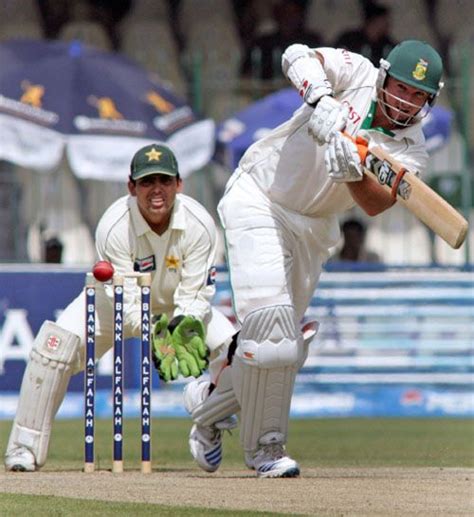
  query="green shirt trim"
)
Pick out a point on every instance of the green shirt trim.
point(367, 124)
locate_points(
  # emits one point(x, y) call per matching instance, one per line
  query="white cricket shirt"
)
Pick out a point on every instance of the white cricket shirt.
point(180, 260)
point(288, 165)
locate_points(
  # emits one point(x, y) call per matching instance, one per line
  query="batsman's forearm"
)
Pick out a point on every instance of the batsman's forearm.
point(370, 196)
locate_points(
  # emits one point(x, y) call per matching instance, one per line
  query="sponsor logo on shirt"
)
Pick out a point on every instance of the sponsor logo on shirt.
point(144, 265)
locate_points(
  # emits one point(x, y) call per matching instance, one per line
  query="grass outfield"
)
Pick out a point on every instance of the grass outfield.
point(313, 443)
point(51, 506)
point(329, 443)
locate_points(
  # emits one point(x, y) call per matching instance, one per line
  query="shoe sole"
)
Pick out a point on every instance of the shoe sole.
point(18, 468)
point(289, 473)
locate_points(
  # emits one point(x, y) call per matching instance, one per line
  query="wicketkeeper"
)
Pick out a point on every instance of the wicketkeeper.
point(154, 229)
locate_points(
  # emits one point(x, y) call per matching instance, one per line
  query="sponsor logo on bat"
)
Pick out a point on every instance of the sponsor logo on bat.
point(387, 176)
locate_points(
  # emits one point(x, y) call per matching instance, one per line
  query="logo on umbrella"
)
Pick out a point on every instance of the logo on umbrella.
point(160, 104)
point(33, 94)
point(105, 106)
point(110, 119)
point(29, 107)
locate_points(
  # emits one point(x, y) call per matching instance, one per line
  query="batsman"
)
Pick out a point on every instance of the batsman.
point(154, 229)
point(280, 216)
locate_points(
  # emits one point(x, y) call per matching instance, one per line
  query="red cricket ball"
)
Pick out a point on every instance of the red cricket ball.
point(103, 271)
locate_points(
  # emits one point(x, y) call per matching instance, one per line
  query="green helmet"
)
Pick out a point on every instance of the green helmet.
point(153, 159)
point(418, 64)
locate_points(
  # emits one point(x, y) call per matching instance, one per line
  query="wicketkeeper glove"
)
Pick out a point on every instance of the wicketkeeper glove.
point(163, 353)
point(179, 347)
point(188, 339)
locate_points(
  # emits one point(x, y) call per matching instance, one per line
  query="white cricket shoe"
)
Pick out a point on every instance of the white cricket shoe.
point(20, 459)
point(271, 460)
point(205, 442)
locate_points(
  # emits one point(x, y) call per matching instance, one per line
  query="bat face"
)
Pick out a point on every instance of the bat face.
point(387, 175)
point(423, 202)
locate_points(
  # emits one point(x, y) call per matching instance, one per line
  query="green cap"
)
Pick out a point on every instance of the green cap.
point(153, 159)
point(418, 64)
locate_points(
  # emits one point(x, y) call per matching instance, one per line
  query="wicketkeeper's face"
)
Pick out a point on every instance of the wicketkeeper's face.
point(156, 195)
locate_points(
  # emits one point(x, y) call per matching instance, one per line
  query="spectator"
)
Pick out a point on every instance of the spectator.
point(263, 56)
point(353, 249)
point(373, 39)
point(53, 251)
point(55, 14)
point(109, 13)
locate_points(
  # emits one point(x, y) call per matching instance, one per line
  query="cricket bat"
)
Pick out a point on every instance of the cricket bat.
point(421, 200)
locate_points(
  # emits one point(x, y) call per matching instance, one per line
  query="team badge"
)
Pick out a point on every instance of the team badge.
point(154, 155)
point(172, 263)
point(420, 70)
point(145, 264)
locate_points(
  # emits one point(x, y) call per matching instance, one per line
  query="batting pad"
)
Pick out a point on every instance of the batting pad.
point(309, 331)
point(207, 409)
point(43, 388)
point(264, 367)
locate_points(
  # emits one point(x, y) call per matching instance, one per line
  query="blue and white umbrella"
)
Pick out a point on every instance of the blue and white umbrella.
point(237, 133)
point(437, 128)
point(98, 107)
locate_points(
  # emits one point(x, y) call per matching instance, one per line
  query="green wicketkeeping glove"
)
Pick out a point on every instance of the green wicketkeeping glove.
point(188, 339)
point(163, 352)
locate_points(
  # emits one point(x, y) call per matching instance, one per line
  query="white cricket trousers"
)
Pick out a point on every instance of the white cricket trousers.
point(275, 255)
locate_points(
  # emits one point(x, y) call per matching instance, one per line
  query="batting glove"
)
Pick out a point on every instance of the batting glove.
point(163, 352)
point(188, 340)
point(342, 159)
point(329, 116)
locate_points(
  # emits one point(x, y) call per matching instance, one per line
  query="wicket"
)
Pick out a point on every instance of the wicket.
point(144, 281)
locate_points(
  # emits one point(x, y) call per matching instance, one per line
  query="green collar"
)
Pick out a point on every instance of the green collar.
point(367, 124)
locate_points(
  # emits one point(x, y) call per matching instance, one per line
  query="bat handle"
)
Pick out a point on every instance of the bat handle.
point(361, 143)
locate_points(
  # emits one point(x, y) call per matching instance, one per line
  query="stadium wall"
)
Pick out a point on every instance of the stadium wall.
point(395, 343)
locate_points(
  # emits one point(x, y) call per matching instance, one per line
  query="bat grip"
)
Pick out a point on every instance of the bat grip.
point(361, 143)
point(363, 148)
point(397, 181)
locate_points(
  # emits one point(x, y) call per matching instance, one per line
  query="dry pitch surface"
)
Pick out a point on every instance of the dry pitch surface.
point(320, 491)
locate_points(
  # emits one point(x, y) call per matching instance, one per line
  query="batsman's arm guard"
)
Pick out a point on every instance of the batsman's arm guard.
point(302, 67)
